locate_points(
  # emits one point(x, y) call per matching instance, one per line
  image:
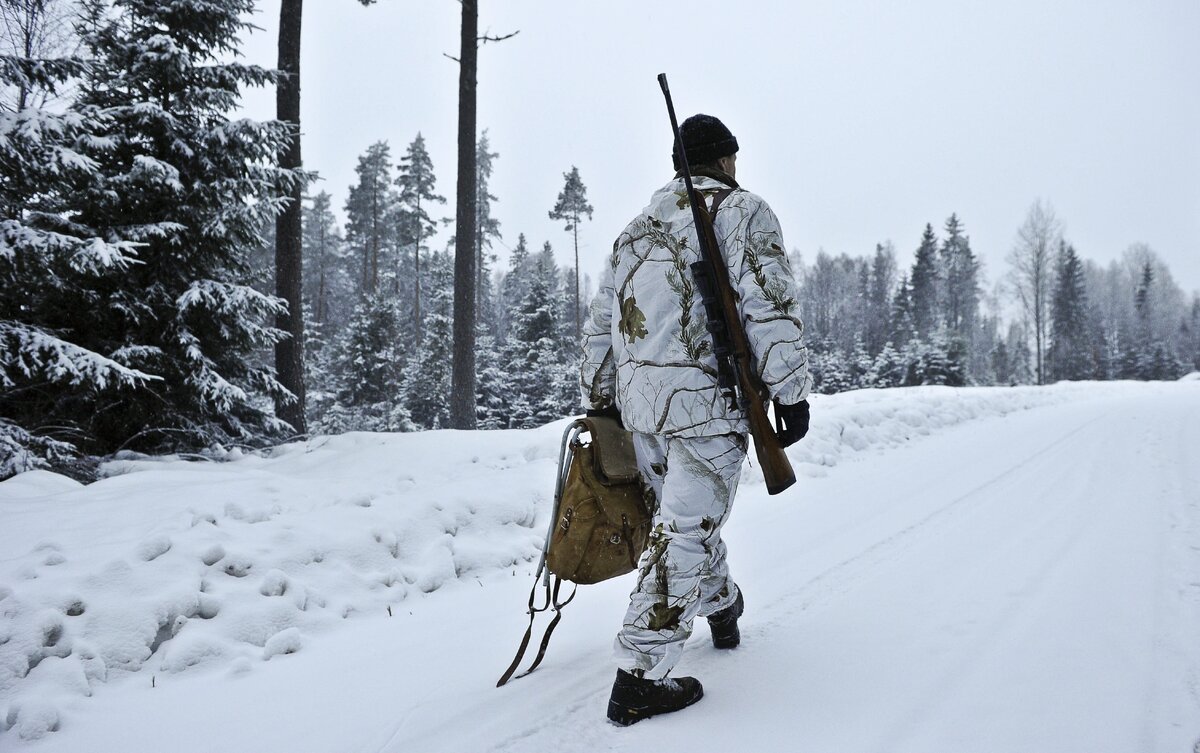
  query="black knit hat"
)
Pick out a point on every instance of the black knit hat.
point(706, 140)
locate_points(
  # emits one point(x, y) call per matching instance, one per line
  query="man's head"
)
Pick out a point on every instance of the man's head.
point(708, 143)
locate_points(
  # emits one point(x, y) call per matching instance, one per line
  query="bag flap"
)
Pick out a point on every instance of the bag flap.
point(612, 450)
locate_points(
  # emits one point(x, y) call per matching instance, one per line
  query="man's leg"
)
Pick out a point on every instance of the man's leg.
point(683, 572)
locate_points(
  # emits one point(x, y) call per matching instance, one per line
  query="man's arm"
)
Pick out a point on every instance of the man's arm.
point(597, 373)
point(770, 307)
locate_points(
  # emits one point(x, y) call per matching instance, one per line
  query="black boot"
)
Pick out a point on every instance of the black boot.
point(724, 625)
point(634, 699)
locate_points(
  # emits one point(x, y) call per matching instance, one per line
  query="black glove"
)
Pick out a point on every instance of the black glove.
point(794, 422)
point(609, 412)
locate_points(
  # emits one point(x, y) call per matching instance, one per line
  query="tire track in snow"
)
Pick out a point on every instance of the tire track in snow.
point(1045, 537)
point(841, 577)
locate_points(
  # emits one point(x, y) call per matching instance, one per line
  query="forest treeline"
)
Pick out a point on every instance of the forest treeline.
point(136, 222)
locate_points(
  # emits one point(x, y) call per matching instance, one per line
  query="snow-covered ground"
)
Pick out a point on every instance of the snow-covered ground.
point(994, 569)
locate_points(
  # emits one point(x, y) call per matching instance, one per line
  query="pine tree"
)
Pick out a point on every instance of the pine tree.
point(326, 286)
point(572, 206)
point(487, 229)
point(195, 188)
point(416, 180)
point(370, 205)
point(924, 285)
point(289, 244)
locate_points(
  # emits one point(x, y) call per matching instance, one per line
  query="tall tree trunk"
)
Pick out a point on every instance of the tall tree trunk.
point(289, 354)
point(417, 274)
point(575, 225)
point(462, 390)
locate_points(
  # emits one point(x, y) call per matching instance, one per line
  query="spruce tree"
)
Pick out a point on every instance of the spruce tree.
point(1020, 355)
point(513, 287)
point(903, 327)
point(53, 270)
point(532, 352)
point(888, 368)
point(195, 187)
point(924, 284)
point(572, 206)
point(427, 377)
point(960, 291)
point(371, 369)
point(1069, 353)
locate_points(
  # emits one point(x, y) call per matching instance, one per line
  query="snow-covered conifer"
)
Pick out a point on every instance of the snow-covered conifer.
point(426, 386)
point(194, 188)
point(53, 270)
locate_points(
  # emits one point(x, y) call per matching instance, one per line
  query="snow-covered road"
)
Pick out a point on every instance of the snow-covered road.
point(1026, 582)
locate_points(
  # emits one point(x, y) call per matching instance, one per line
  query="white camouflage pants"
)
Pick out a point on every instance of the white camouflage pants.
point(683, 574)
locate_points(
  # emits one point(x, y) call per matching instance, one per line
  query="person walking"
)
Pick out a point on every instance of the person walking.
point(648, 361)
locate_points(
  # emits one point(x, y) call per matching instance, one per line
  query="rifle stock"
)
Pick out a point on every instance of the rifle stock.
point(726, 321)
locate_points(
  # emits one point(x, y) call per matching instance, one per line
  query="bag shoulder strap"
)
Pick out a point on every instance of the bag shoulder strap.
point(551, 601)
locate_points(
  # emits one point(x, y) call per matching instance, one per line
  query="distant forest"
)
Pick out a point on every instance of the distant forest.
point(137, 260)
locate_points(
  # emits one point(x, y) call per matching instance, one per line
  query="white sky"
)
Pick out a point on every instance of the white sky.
point(858, 121)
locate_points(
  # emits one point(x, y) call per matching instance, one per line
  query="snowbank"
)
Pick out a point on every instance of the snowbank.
point(170, 566)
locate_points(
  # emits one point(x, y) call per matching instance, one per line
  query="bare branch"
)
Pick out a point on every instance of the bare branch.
point(489, 38)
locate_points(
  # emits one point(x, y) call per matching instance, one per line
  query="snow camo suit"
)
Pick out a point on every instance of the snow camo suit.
point(648, 353)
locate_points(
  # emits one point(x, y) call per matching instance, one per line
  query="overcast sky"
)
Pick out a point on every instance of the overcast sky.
point(858, 121)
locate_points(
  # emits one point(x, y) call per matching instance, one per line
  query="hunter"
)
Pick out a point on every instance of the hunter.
point(648, 361)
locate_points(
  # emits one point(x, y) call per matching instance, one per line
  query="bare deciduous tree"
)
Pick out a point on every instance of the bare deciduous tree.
point(1031, 272)
point(34, 29)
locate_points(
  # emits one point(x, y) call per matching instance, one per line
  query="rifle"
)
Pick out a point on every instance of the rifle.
point(737, 377)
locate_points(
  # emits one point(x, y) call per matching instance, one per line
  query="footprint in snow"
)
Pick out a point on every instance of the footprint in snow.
point(238, 567)
point(213, 554)
point(153, 548)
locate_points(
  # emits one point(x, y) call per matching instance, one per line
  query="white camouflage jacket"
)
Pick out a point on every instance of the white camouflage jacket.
point(646, 349)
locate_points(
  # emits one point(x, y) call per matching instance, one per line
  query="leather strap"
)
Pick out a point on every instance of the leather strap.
point(720, 196)
point(551, 600)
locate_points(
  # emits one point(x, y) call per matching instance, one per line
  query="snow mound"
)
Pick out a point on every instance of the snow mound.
point(170, 566)
point(1192, 377)
point(33, 485)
